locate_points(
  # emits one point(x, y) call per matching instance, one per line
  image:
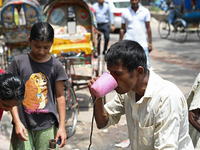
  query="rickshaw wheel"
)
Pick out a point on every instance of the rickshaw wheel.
point(164, 29)
point(180, 32)
point(71, 111)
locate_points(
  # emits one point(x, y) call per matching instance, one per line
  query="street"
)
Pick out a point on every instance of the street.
point(176, 62)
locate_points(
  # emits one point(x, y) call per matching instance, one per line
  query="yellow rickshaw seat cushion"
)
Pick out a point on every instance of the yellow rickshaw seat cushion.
point(76, 45)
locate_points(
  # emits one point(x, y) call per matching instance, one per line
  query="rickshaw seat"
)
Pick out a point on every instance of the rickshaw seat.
point(193, 16)
point(72, 27)
point(76, 43)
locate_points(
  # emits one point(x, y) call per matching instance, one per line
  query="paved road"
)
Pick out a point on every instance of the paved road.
point(173, 61)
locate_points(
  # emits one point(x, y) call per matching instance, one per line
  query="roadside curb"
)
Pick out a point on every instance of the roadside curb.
point(159, 15)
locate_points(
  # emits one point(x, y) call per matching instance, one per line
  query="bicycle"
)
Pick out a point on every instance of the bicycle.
point(68, 61)
point(71, 102)
point(184, 23)
point(179, 29)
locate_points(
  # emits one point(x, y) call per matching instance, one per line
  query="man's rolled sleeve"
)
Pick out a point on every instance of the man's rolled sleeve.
point(123, 21)
point(115, 109)
point(110, 16)
point(148, 16)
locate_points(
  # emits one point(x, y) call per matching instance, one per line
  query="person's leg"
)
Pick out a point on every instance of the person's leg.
point(171, 16)
point(147, 55)
point(17, 144)
point(42, 138)
point(106, 37)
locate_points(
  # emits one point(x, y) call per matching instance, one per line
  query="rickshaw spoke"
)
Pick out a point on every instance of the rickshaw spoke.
point(164, 29)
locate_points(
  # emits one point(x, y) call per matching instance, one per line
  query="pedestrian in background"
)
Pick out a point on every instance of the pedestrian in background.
point(103, 17)
point(35, 120)
point(156, 110)
point(12, 89)
point(137, 20)
point(194, 112)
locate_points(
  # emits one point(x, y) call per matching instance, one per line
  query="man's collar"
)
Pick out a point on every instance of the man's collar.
point(100, 5)
point(139, 9)
point(153, 80)
point(147, 92)
point(151, 85)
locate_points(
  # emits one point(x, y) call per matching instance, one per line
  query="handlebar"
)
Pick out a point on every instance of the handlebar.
point(70, 55)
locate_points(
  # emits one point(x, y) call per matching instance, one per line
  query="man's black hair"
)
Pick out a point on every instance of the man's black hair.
point(129, 53)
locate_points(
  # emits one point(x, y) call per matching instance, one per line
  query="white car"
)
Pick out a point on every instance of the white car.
point(116, 7)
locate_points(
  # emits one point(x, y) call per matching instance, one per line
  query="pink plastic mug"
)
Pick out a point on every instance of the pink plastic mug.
point(103, 85)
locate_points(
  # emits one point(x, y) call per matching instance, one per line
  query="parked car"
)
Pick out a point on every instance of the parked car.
point(116, 7)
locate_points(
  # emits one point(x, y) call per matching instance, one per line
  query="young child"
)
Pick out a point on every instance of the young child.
point(12, 89)
point(35, 120)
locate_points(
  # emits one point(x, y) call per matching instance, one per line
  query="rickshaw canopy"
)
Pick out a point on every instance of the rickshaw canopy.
point(73, 24)
point(190, 5)
point(189, 10)
point(17, 18)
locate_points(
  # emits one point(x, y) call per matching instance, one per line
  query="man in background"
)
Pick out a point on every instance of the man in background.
point(103, 17)
point(137, 20)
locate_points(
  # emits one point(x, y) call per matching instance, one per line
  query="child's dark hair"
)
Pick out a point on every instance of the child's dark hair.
point(42, 31)
point(12, 87)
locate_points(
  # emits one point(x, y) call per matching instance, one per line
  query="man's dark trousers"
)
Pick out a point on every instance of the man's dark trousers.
point(105, 29)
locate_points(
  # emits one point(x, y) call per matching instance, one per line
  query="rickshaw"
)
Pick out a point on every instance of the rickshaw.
point(17, 18)
point(74, 25)
point(187, 20)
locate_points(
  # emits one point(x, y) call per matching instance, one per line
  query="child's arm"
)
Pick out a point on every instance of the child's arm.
point(60, 98)
point(19, 127)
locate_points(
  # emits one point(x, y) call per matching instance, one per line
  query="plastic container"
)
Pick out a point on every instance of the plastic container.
point(103, 85)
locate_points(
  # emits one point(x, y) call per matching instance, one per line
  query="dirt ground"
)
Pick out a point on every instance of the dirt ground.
point(105, 139)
